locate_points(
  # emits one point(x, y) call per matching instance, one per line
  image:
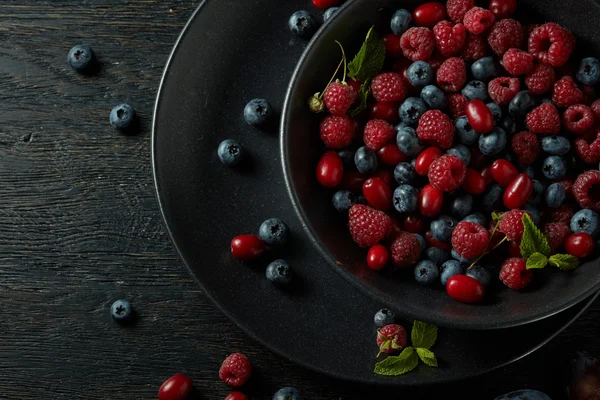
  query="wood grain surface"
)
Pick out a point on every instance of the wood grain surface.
point(80, 227)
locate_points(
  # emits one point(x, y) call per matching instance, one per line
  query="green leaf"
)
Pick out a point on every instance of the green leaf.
point(536, 261)
point(533, 240)
point(423, 334)
point(398, 365)
point(566, 262)
point(427, 357)
point(363, 96)
point(369, 60)
point(497, 216)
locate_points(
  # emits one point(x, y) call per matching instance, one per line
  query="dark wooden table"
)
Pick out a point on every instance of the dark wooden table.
point(80, 227)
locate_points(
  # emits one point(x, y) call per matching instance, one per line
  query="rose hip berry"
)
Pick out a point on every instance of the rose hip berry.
point(429, 14)
point(378, 194)
point(385, 110)
point(392, 45)
point(236, 396)
point(474, 182)
point(465, 289)
point(503, 8)
point(413, 223)
point(177, 387)
point(430, 201)
point(480, 116)
point(425, 159)
point(391, 155)
point(579, 245)
point(247, 247)
point(503, 171)
point(353, 181)
point(325, 4)
point(330, 169)
point(518, 192)
point(377, 257)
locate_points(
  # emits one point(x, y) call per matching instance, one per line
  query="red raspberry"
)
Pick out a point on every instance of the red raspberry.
point(596, 110)
point(578, 119)
point(391, 338)
point(378, 133)
point(556, 233)
point(475, 48)
point(435, 127)
point(338, 98)
point(457, 104)
point(417, 44)
point(405, 249)
point(388, 86)
point(544, 120)
point(367, 225)
point(470, 240)
point(447, 173)
point(502, 90)
point(526, 147)
point(566, 92)
point(235, 370)
point(452, 74)
point(506, 34)
point(449, 38)
point(568, 185)
point(586, 190)
point(517, 62)
point(512, 225)
point(541, 79)
point(458, 8)
point(529, 28)
point(337, 132)
point(589, 152)
point(562, 214)
point(478, 20)
point(551, 44)
point(514, 273)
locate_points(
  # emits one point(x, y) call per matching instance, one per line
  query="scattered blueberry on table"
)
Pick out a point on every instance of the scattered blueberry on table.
point(384, 317)
point(81, 57)
point(122, 311)
point(287, 393)
point(303, 24)
point(257, 112)
point(122, 117)
point(230, 152)
point(274, 232)
point(279, 273)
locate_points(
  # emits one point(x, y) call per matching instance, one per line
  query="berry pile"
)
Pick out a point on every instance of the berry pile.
point(474, 124)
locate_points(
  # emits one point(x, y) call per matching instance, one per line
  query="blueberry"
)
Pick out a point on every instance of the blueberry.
point(122, 116)
point(347, 157)
point(230, 152)
point(475, 90)
point(406, 199)
point(399, 126)
point(437, 255)
point(121, 311)
point(492, 143)
point(535, 214)
point(586, 221)
point(492, 197)
point(525, 394)
point(466, 134)
point(589, 71)
point(555, 195)
point(442, 228)
point(404, 173)
point(302, 24)
point(556, 145)
point(287, 393)
point(420, 74)
point(274, 232)
point(546, 100)
point(538, 192)
point(365, 160)
point(421, 240)
point(411, 110)
point(449, 269)
point(521, 104)
point(461, 205)
point(481, 274)
point(80, 57)
point(554, 168)
point(434, 97)
point(461, 151)
point(361, 200)
point(279, 273)
point(408, 142)
point(257, 112)
point(509, 125)
point(329, 12)
point(343, 199)
point(384, 317)
point(477, 218)
point(460, 258)
point(426, 272)
point(496, 112)
point(485, 69)
point(401, 21)
point(530, 171)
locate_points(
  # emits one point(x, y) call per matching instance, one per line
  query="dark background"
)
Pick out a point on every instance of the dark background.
point(80, 227)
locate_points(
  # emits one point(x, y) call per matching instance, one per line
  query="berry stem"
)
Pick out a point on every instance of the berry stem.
point(488, 251)
point(332, 78)
point(344, 60)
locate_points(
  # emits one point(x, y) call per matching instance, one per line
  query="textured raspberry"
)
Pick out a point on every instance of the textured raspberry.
point(578, 119)
point(506, 34)
point(405, 249)
point(526, 147)
point(512, 225)
point(562, 214)
point(544, 120)
point(449, 38)
point(338, 98)
point(458, 8)
point(457, 104)
point(337, 132)
point(235, 370)
point(517, 62)
point(475, 48)
point(566, 92)
point(596, 110)
point(388, 86)
point(588, 150)
point(586, 190)
point(391, 338)
point(378, 133)
point(514, 273)
point(541, 79)
point(529, 28)
point(568, 185)
point(435, 127)
point(470, 240)
point(551, 44)
point(478, 20)
point(417, 44)
point(502, 90)
point(447, 173)
point(367, 225)
point(556, 233)
point(452, 75)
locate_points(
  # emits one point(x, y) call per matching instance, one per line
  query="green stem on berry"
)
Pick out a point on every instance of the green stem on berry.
point(488, 251)
point(343, 59)
point(332, 78)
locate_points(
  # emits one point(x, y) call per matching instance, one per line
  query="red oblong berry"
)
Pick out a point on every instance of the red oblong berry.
point(503, 8)
point(177, 387)
point(391, 155)
point(579, 245)
point(503, 171)
point(387, 176)
point(429, 14)
point(325, 4)
point(465, 289)
point(353, 181)
point(377, 257)
point(430, 201)
point(354, 85)
point(392, 45)
point(474, 182)
point(378, 194)
point(480, 117)
point(247, 247)
point(518, 192)
point(330, 169)
point(487, 175)
point(236, 396)
point(413, 223)
point(385, 110)
point(432, 242)
point(425, 159)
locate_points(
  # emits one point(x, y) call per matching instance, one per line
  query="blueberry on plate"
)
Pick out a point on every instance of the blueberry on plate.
point(525, 394)
point(122, 116)
point(449, 269)
point(434, 97)
point(426, 272)
point(556, 145)
point(365, 160)
point(589, 71)
point(405, 199)
point(408, 142)
point(287, 393)
point(466, 134)
point(535, 213)
point(420, 73)
point(555, 195)
point(329, 12)
point(343, 199)
point(121, 311)
point(411, 110)
point(461, 205)
point(481, 274)
point(437, 255)
point(401, 21)
point(530, 171)
point(303, 24)
point(492, 143)
point(384, 317)
point(230, 152)
point(554, 167)
point(538, 192)
point(509, 125)
point(475, 90)
point(274, 232)
point(485, 69)
point(279, 273)
point(347, 157)
point(492, 198)
point(257, 112)
point(442, 228)
point(461, 151)
point(521, 104)
point(477, 218)
point(421, 240)
point(80, 57)
point(405, 173)
point(496, 112)
point(586, 221)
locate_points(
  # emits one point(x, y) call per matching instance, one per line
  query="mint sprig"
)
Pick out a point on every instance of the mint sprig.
point(423, 334)
point(370, 58)
point(566, 262)
point(537, 261)
point(398, 365)
point(363, 96)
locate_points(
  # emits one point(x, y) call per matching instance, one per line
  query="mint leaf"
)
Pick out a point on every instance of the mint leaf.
point(423, 334)
point(566, 262)
point(533, 240)
point(398, 365)
point(536, 261)
point(369, 60)
point(427, 357)
point(363, 96)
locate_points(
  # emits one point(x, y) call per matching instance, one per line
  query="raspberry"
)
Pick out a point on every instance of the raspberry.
point(367, 225)
point(436, 127)
point(458, 8)
point(589, 152)
point(515, 274)
point(556, 233)
point(568, 185)
point(478, 20)
point(517, 62)
point(405, 249)
point(562, 214)
point(544, 120)
point(388, 86)
point(417, 44)
point(502, 90)
point(578, 119)
point(235, 370)
point(512, 225)
point(470, 240)
point(541, 79)
point(449, 38)
point(526, 147)
point(378, 133)
point(338, 98)
point(529, 28)
point(452, 74)
point(457, 104)
point(337, 132)
point(551, 44)
point(475, 48)
point(447, 173)
point(596, 110)
point(566, 92)
point(504, 35)
point(391, 338)
point(586, 190)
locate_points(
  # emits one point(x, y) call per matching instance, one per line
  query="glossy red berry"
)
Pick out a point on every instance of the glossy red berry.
point(377, 257)
point(392, 46)
point(503, 171)
point(513, 248)
point(236, 396)
point(247, 247)
point(465, 289)
point(480, 117)
point(503, 8)
point(177, 387)
point(487, 175)
point(579, 245)
point(413, 223)
point(430, 201)
point(391, 155)
point(330, 169)
point(432, 242)
point(353, 181)
point(429, 14)
point(425, 159)
point(474, 182)
point(325, 4)
point(354, 85)
point(518, 192)
point(385, 110)
point(377, 193)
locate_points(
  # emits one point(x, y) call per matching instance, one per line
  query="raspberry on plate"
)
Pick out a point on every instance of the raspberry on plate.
point(367, 225)
point(596, 110)
point(475, 48)
point(586, 190)
point(551, 44)
point(388, 86)
point(378, 133)
point(566, 92)
point(517, 62)
point(391, 338)
point(457, 9)
point(512, 225)
point(544, 120)
point(447, 173)
point(514, 273)
point(338, 98)
point(556, 233)
point(541, 79)
point(436, 127)
point(578, 119)
point(478, 20)
point(449, 38)
point(452, 74)
point(470, 240)
point(526, 147)
point(588, 150)
point(235, 370)
point(405, 249)
point(457, 104)
point(502, 90)
point(506, 34)
point(418, 44)
point(337, 132)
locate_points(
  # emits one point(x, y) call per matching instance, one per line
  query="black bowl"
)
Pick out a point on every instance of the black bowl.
point(301, 148)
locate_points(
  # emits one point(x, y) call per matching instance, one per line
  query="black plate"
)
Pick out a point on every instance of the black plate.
point(214, 69)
